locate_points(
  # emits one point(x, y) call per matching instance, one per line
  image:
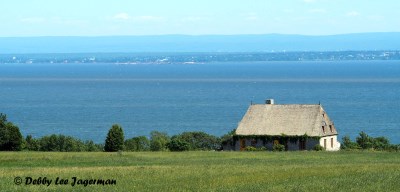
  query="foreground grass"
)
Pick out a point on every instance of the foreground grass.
point(206, 171)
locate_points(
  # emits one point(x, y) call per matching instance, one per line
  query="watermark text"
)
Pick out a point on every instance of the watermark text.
point(72, 181)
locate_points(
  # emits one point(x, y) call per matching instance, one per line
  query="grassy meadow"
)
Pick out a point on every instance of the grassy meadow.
point(206, 171)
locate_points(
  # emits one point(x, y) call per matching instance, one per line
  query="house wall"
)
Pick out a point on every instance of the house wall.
point(310, 144)
point(228, 147)
point(237, 145)
point(329, 146)
point(248, 142)
point(292, 146)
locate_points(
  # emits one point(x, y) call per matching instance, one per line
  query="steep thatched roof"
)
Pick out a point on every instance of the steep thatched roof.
point(292, 120)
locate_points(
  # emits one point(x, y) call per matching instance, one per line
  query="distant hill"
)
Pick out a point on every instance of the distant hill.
point(201, 43)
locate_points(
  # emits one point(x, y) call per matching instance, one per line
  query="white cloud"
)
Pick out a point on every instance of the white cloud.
point(127, 17)
point(300, 19)
point(34, 20)
point(317, 11)
point(251, 16)
point(122, 16)
point(352, 13)
point(376, 17)
point(287, 10)
point(191, 19)
point(147, 18)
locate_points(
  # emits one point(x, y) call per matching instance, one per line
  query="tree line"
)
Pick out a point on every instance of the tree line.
point(364, 141)
point(161, 141)
point(11, 140)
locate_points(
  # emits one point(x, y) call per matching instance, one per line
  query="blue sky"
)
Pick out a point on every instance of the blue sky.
point(196, 17)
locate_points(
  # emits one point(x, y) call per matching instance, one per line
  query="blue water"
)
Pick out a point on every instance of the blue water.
point(84, 100)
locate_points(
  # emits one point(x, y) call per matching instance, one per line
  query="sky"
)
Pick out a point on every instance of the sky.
point(196, 17)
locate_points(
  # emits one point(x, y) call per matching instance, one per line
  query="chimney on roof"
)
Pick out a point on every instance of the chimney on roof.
point(269, 102)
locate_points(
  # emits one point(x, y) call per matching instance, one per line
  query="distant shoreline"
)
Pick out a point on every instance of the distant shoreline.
point(192, 58)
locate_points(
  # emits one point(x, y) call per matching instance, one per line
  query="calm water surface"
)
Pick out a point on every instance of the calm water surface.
point(84, 100)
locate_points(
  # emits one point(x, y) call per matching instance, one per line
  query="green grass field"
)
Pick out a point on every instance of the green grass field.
point(205, 171)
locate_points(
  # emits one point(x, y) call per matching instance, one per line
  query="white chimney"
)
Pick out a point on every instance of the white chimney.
point(269, 101)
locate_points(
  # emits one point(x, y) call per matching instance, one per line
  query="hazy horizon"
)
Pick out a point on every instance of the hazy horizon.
point(136, 18)
point(200, 43)
point(193, 35)
point(45, 26)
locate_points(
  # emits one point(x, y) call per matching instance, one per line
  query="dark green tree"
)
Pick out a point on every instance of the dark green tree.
point(177, 144)
point(381, 143)
point(158, 141)
point(31, 144)
point(49, 143)
point(91, 146)
point(364, 141)
point(10, 136)
point(348, 144)
point(115, 139)
point(60, 143)
point(140, 143)
point(200, 140)
point(3, 119)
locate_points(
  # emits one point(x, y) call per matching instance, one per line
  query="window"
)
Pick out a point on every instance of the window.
point(254, 142)
point(330, 127)
point(324, 143)
point(323, 129)
point(331, 142)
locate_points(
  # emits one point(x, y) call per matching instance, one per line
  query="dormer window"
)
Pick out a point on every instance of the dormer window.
point(323, 129)
point(331, 128)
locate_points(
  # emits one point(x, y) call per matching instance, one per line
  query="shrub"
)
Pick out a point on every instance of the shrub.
point(278, 147)
point(31, 143)
point(177, 144)
point(380, 143)
point(377, 143)
point(348, 144)
point(318, 147)
point(49, 143)
point(140, 143)
point(200, 140)
point(10, 136)
point(158, 141)
point(115, 139)
point(227, 140)
point(364, 141)
point(250, 148)
point(394, 148)
point(91, 146)
point(262, 148)
point(60, 143)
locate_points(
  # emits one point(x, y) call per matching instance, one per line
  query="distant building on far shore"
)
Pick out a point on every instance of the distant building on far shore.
point(295, 126)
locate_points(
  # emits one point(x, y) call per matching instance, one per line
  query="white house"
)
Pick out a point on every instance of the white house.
point(297, 127)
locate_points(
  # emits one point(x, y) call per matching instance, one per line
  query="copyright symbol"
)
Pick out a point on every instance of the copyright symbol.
point(18, 180)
